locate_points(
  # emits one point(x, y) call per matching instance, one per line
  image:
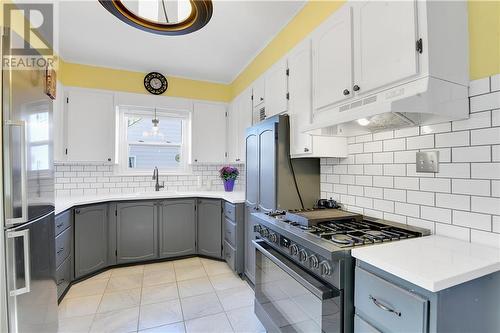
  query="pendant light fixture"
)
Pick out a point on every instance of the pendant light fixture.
point(155, 129)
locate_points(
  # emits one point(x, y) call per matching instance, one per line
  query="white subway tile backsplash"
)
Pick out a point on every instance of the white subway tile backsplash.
point(364, 180)
point(487, 136)
point(383, 157)
point(422, 224)
point(485, 102)
point(404, 132)
point(453, 231)
point(364, 138)
point(440, 215)
point(496, 224)
point(495, 82)
point(485, 205)
point(408, 183)
point(472, 220)
point(454, 170)
point(495, 188)
point(374, 213)
point(373, 147)
point(476, 120)
point(479, 87)
point(485, 170)
point(407, 209)
point(394, 144)
point(472, 154)
point(383, 181)
point(373, 169)
point(374, 192)
point(435, 184)
point(355, 190)
point(363, 159)
point(383, 135)
point(485, 238)
point(395, 217)
point(383, 205)
point(495, 117)
point(408, 156)
point(454, 201)
point(420, 142)
point(355, 169)
point(470, 186)
point(394, 195)
point(355, 148)
point(454, 139)
point(420, 198)
point(436, 128)
point(394, 170)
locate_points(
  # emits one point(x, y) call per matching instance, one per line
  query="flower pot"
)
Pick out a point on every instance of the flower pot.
point(228, 185)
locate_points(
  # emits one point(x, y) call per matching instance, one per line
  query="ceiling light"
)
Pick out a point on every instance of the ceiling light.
point(162, 17)
point(363, 122)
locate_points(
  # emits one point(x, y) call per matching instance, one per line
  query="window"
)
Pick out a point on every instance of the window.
point(149, 140)
point(38, 137)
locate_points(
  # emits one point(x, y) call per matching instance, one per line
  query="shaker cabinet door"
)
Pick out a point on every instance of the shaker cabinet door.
point(91, 225)
point(209, 133)
point(276, 88)
point(332, 59)
point(385, 35)
point(210, 227)
point(177, 228)
point(136, 232)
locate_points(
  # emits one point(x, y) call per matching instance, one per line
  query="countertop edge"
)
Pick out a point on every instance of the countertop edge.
point(63, 204)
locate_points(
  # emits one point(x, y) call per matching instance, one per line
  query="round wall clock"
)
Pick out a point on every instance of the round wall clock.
point(155, 83)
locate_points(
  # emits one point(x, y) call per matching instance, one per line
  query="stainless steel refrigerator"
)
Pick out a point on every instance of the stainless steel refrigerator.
point(28, 197)
point(273, 179)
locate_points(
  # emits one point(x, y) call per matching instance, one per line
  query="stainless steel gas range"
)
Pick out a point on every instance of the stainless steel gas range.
point(304, 270)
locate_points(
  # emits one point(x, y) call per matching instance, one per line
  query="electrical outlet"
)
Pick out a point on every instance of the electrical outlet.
point(428, 161)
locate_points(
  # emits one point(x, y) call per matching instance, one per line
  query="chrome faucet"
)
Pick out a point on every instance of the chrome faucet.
point(156, 177)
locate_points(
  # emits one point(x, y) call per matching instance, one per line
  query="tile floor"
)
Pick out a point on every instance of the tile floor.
point(188, 295)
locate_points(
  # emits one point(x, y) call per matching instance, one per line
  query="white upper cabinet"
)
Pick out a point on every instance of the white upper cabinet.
point(276, 89)
point(332, 64)
point(244, 121)
point(208, 133)
point(300, 105)
point(90, 126)
point(259, 87)
point(385, 39)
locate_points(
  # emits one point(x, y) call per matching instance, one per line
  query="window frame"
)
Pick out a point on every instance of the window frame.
point(122, 144)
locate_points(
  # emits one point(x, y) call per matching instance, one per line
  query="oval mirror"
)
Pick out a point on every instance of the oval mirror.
point(164, 17)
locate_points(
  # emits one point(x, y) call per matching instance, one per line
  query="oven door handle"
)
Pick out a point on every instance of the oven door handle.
point(315, 286)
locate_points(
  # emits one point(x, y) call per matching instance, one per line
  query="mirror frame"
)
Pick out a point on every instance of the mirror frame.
point(201, 14)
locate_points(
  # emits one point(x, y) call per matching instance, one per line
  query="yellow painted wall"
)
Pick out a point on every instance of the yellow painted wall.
point(484, 41)
point(120, 80)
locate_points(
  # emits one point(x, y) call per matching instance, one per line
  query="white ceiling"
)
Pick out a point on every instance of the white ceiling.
point(237, 32)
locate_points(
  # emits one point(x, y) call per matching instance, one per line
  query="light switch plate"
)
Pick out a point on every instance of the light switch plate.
point(428, 161)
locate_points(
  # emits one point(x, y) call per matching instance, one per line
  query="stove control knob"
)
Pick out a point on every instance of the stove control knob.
point(264, 232)
point(294, 249)
point(303, 255)
point(326, 269)
point(313, 260)
point(273, 237)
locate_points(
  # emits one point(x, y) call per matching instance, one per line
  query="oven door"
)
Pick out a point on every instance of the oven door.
point(288, 299)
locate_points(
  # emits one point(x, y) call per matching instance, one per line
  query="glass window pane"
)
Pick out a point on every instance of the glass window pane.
point(38, 127)
point(140, 129)
point(39, 157)
point(147, 157)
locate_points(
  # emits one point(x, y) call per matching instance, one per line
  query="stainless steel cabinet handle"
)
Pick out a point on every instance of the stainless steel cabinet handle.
point(9, 218)
point(306, 150)
point(383, 307)
point(27, 274)
point(59, 225)
point(60, 250)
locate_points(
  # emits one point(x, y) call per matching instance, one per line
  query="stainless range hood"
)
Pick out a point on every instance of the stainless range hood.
point(423, 101)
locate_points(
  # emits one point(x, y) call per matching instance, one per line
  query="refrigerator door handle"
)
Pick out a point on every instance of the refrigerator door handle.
point(24, 177)
point(27, 274)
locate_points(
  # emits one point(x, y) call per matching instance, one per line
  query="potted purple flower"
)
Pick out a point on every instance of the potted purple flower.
point(229, 175)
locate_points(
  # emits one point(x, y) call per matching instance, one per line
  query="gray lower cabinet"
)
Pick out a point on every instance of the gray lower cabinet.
point(136, 231)
point(386, 303)
point(249, 248)
point(177, 228)
point(64, 250)
point(209, 230)
point(91, 239)
point(234, 234)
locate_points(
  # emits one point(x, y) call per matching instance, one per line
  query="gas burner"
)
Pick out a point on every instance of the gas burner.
point(341, 239)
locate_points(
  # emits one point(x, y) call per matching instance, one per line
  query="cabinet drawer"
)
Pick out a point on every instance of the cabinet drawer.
point(230, 211)
point(387, 306)
point(63, 276)
point(63, 246)
point(230, 255)
point(62, 221)
point(361, 326)
point(230, 231)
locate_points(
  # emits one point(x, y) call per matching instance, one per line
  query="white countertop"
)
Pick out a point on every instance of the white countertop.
point(67, 202)
point(432, 262)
